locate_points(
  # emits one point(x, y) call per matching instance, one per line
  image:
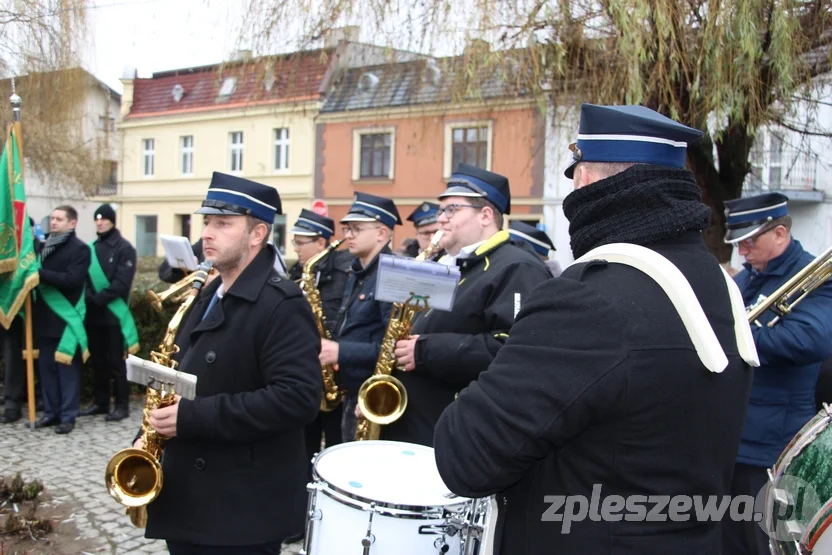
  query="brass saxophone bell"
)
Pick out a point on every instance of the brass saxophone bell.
point(382, 399)
point(133, 477)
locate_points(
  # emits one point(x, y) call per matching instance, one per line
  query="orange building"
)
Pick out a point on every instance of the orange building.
point(392, 130)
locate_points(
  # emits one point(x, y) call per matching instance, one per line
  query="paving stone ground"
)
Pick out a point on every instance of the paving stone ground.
point(71, 467)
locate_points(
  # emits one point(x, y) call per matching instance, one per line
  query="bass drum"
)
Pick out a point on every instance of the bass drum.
point(799, 497)
point(387, 498)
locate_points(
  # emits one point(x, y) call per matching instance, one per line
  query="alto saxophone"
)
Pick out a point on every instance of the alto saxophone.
point(331, 395)
point(382, 397)
point(134, 476)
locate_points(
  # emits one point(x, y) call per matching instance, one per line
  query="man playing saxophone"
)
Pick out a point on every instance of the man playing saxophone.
point(448, 350)
point(235, 463)
point(791, 351)
point(312, 236)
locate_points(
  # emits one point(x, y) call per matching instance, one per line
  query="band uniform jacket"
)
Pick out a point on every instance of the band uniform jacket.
point(118, 260)
point(782, 398)
point(236, 472)
point(362, 321)
point(66, 269)
point(455, 346)
point(599, 387)
point(333, 272)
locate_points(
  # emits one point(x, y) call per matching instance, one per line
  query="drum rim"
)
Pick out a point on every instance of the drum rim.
point(820, 523)
point(417, 510)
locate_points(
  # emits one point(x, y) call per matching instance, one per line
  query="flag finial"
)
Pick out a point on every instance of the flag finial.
point(16, 101)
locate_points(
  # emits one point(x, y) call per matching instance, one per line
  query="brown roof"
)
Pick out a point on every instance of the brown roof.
point(294, 77)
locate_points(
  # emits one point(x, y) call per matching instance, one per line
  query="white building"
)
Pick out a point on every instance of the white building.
point(96, 116)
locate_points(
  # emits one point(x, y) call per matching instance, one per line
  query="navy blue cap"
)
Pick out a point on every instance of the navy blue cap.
point(370, 208)
point(230, 195)
point(746, 217)
point(426, 213)
point(629, 134)
point(311, 224)
point(535, 237)
point(471, 181)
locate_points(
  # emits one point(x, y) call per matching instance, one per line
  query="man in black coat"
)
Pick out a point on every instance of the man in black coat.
point(110, 326)
point(599, 416)
point(448, 349)
point(235, 465)
point(58, 318)
point(362, 319)
point(312, 235)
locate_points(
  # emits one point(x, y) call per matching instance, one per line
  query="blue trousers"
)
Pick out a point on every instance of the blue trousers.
point(60, 384)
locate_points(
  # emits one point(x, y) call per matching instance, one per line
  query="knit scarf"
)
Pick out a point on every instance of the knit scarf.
point(54, 241)
point(640, 205)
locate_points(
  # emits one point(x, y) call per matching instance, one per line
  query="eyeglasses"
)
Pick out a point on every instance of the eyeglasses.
point(751, 241)
point(451, 209)
point(296, 243)
point(425, 234)
point(355, 230)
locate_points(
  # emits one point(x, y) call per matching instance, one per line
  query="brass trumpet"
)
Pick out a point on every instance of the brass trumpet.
point(175, 293)
point(782, 301)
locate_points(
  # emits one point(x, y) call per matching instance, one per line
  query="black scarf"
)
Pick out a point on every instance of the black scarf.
point(640, 205)
point(54, 241)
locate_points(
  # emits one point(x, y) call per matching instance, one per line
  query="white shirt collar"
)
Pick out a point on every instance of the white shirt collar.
point(464, 252)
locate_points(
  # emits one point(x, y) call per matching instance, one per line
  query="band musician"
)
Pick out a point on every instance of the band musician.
point(235, 465)
point(448, 349)
point(791, 352)
point(424, 220)
point(535, 241)
point(599, 391)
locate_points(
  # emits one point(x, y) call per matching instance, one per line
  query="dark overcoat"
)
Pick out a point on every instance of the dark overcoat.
point(118, 261)
point(455, 346)
point(65, 269)
point(791, 352)
point(599, 385)
point(236, 472)
point(332, 272)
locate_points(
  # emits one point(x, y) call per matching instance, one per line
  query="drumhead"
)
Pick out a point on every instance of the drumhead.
point(389, 473)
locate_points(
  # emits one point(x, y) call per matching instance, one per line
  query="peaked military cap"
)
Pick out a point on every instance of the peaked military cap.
point(370, 208)
point(230, 195)
point(470, 181)
point(629, 134)
point(747, 217)
point(426, 213)
point(311, 224)
point(535, 237)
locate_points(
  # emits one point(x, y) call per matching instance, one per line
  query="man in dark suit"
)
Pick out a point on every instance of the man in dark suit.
point(603, 394)
point(112, 330)
point(58, 317)
point(235, 465)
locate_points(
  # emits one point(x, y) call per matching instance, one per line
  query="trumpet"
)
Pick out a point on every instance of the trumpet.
point(177, 292)
point(788, 295)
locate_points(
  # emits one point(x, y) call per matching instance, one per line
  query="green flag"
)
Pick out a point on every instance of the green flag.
point(18, 263)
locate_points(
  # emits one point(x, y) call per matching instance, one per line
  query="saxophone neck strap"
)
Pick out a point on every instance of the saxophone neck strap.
point(678, 290)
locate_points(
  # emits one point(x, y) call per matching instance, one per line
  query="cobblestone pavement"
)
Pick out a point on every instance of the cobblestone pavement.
point(72, 468)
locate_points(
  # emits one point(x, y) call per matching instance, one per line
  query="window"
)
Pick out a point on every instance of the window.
point(187, 145)
point(237, 151)
point(281, 149)
point(775, 161)
point(184, 225)
point(373, 153)
point(106, 124)
point(146, 235)
point(148, 156)
point(228, 86)
point(469, 143)
point(279, 233)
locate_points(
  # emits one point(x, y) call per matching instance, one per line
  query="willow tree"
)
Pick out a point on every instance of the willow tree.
point(727, 67)
point(40, 47)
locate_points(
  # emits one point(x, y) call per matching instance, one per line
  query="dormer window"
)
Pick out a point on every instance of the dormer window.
point(177, 92)
point(228, 86)
point(367, 82)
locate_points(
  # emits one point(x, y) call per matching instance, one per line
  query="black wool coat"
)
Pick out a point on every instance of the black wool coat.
point(599, 385)
point(333, 272)
point(455, 346)
point(236, 472)
point(118, 260)
point(65, 269)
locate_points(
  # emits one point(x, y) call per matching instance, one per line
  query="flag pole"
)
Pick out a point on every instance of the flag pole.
point(28, 353)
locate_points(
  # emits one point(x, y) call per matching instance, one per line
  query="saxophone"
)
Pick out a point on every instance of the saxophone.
point(382, 397)
point(134, 476)
point(331, 396)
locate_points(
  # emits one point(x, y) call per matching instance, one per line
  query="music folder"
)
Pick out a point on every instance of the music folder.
point(399, 278)
point(144, 372)
point(178, 252)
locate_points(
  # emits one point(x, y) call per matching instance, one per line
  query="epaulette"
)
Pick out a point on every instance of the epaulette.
point(579, 271)
point(287, 286)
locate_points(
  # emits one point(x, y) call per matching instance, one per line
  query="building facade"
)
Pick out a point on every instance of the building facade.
point(392, 130)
